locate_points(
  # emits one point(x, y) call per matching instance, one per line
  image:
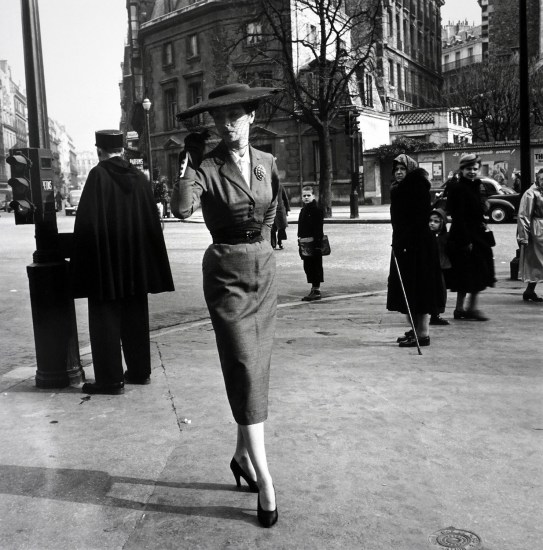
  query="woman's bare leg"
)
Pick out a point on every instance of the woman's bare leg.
point(253, 438)
point(241, 455)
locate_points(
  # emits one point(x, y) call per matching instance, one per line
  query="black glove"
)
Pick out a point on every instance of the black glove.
point(195, 145)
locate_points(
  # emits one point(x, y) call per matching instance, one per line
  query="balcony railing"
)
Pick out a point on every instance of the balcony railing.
point(459, 63)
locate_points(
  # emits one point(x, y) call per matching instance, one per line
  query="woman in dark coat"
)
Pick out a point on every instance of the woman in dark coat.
point(415, 250)
point(280, 224)
point(237, 186)
point(470, 253)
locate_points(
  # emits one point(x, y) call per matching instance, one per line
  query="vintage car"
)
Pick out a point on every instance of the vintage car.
point(72, 202)
point(502, 202)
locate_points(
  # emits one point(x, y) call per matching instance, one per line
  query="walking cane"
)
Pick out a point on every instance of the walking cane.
point(406, 302)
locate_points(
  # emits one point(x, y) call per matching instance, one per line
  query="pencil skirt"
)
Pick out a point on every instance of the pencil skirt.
point(241, 296)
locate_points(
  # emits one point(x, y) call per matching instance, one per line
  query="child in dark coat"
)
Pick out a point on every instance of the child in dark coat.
point(310, 233)
point(438, 227)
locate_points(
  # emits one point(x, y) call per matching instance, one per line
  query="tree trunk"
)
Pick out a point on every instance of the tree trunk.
point(325, 166)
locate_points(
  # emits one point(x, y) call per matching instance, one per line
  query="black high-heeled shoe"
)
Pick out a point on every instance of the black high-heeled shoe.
point(266, 518)
point(238, 472)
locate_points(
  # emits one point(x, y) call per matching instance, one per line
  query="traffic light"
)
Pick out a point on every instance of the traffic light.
point(354, 124)
point(351, 123)
point(32, 184)
point(20, 182)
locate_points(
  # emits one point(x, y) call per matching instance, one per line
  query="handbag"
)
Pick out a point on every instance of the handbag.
point(488, 237)
point(307, 247)
point(325, 246)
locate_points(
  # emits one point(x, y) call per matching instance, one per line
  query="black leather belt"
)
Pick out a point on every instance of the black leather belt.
point(238, 237)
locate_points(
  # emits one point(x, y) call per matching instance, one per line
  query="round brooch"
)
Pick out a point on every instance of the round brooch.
point(260, 172)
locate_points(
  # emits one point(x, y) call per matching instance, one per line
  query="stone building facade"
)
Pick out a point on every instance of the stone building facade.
point(86, 160)
point(500, 27)
point(13, 125)
point(462, 46)
point(63, 146)
point(175, 55)
point(409, 54)
point(14, 133)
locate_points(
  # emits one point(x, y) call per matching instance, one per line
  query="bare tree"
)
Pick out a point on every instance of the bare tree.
point(319, 50)
point(488, 95)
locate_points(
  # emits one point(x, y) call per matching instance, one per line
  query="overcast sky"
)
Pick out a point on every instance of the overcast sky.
point(453, 10)
point(83, 44)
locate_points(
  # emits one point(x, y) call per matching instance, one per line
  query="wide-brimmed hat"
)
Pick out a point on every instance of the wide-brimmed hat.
point(109, 139)
point(229, 94)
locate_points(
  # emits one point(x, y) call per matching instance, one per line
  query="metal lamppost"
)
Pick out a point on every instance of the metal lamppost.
point(146, 104)
point(53, 309)
point(526, 173)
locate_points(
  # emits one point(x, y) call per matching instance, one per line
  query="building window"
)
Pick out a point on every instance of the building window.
point(391, 72)
point(192, 46)
point(470, 52)
point(369, 91)
point(399, 81)
point(170, 105)
point(254, 33)
point(312, 36)
point(167, 54)
point(195, 93)
point(390, 24)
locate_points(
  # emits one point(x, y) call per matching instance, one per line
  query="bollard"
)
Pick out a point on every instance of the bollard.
point(354, 205)
point(514, 265)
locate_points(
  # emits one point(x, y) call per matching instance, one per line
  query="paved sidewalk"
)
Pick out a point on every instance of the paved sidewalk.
point(372, 447)
point(379, 213)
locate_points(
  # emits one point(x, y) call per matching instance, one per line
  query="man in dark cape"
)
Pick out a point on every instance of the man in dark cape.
point(119, 257)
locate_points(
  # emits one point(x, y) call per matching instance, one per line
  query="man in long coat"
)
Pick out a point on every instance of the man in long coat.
point(119, 257)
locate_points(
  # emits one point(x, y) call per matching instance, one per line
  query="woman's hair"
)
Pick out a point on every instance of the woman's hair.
point(250, 106)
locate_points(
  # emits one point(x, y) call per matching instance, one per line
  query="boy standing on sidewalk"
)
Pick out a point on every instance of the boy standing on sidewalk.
point(310, 232)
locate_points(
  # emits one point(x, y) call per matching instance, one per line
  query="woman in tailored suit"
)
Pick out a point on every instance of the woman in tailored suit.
point(236, 186)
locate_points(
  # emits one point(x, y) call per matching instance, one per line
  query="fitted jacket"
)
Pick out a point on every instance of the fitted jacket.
point(227, 202)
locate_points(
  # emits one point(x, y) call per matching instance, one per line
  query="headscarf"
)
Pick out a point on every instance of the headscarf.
point(405, 160)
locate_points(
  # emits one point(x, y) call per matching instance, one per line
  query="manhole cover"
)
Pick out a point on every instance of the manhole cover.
point(460, 539)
